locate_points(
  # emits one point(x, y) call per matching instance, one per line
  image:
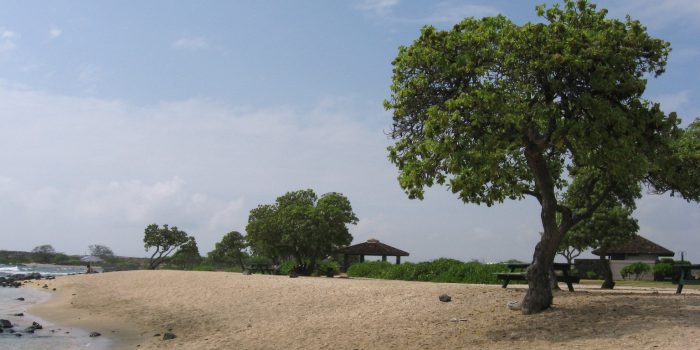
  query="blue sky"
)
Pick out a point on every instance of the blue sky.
point(119, 114)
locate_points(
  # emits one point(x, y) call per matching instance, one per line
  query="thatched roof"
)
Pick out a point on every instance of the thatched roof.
point(372, 247)
point(636, 245)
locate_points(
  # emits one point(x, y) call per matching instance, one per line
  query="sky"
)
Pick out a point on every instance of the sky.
point(119, 114)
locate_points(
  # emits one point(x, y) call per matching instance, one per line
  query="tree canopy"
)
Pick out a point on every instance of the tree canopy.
point(230, 250)
point(165, 240)
point(43, 253)
point(102, 251)
point(187, 256)
point(551, 110)
point(301, 225)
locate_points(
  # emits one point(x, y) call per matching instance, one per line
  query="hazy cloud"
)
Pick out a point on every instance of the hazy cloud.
point(8, 40)
point(456, 13)
point(55, 32)
point(379, 7)
point(191, 43)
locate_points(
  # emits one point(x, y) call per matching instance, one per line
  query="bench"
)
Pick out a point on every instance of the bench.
point(517, 272)
point(686, 276)
point(262, 268)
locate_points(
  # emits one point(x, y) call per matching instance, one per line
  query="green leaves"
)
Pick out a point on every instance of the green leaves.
point(302, 225)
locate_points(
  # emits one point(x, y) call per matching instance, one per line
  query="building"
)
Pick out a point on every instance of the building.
point(637, 249)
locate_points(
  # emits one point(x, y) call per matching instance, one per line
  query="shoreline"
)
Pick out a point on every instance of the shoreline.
point(57, 310)
point(215, 310)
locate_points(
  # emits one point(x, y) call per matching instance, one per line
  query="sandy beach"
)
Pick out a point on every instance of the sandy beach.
point(218, 310)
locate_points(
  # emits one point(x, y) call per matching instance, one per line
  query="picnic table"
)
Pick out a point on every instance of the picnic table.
point(686, 276)
point(262, 268)
point(518, 272)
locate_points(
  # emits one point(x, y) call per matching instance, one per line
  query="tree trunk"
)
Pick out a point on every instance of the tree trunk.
point(539, 293)
point(553, 279)
point(608, 282)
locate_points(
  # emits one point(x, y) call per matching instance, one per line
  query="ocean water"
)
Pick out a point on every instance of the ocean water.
point(43, 269)
point(52, 336)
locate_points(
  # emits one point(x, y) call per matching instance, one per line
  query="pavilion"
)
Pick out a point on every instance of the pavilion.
point(370, 248)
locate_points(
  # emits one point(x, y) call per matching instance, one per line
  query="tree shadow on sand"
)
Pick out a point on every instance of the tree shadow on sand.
point(605, 316)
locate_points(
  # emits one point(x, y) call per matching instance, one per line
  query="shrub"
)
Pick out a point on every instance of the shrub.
point(286, 267)
point(371, 269)
point(591, 275)
point(662, 270)
point(327, 268)
point(637, 269)
point(439, 270)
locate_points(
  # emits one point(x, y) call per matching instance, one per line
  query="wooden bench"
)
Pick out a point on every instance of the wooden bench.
point(517, 272)
point(262, 268)
point(686, 276)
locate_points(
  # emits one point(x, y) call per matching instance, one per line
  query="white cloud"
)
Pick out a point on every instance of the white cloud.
point(8, 40)
point(55, 32)
point(86, 170)
point(191, 43)
point(379, 7)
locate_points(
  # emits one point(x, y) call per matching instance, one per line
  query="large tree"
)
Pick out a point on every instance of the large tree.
point(165, 240)
point(230, 250)
point(301, 225)
point(551, 110)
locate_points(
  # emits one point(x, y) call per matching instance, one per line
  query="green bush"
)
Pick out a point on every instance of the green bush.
point(591, 275)
point(439, 270)
point(286, 267)
point(370, 269)
point(324, 266)
point(637, 269)
point(662, 270)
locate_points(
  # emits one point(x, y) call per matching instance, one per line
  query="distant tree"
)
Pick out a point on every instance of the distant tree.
point(552, 110)
point(187, 256)
point(43, 253)
point(610, 226)
point(231, 250)
point(165, 240)
point(101, 251)
point(301, 225)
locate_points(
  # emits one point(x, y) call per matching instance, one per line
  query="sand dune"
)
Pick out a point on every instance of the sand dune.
point(217, 310)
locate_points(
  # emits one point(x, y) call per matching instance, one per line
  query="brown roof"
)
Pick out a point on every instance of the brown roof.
point(372, 247)
point(636, 245)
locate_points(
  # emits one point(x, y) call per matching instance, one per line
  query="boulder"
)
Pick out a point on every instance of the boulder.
point(18, 314)
point(20, 299)
point(445, 298)
point(5, 324)
point(168, 336)
point(95, 334)
point(36, 325)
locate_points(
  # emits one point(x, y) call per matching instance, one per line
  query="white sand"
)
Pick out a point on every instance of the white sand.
point(217, 310)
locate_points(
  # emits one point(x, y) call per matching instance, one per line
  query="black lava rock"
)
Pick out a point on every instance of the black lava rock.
point(5, 324)
point(168, 336)
point(20, 299)
point(36, 325)
point(95, 334)
point(18, 314)
point(445, 298)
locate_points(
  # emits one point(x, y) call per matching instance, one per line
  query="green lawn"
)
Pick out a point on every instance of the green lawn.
point(644, 284)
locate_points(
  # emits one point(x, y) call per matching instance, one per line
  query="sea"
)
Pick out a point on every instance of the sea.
point(52, 336)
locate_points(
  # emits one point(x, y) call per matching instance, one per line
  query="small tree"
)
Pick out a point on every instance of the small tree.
point(637, 269)
point(165, 240)
point(43, 253)
point(231, 250)
point(101, 251)
point(187, 256)
point(301, 225)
